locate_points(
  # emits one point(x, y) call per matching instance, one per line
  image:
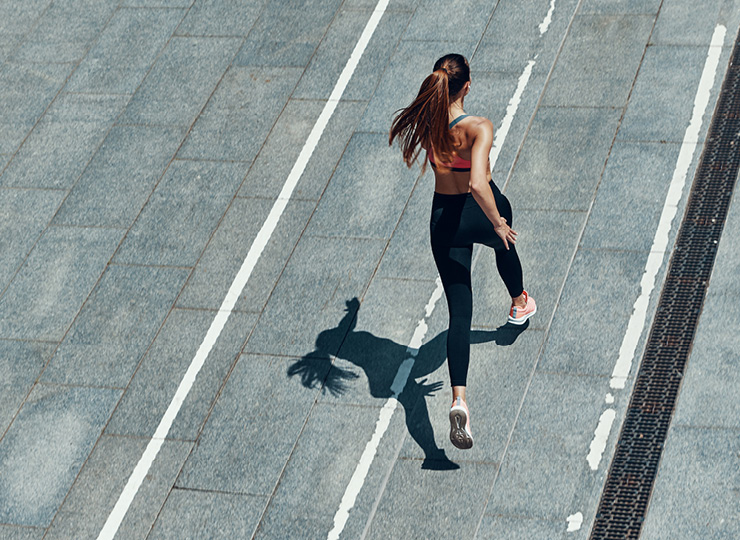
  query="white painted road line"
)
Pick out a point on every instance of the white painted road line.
point(511, 108)
point(142, 467)
point(598, 443)
point(545, 24)
point(659, 248)
point(574, 522)
point(660, 242)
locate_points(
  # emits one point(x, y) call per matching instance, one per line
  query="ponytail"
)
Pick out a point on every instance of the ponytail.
point(425, 122)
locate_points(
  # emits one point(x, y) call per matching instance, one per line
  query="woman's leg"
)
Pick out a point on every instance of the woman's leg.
point(510, 269)
point(453, 264)
point(507, 260)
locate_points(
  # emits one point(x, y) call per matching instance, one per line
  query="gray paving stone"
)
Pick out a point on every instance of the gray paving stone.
point(259, 393)
point(270, 170)
point(622, 7)
point(520, 528)
point(45, 448)
point(271, 53)
point(409, 66)
point(662, 101)
point(157, 3)
point(545, 474)
point(25, 92)
point(595, 308)
point(294, 22)
point(8, 45)
point(18, 532)
point(599, 61)
point(311, 296)
point(415, 501)
point(195, 515)
point(20, 365)
point(241, 113)
point(501, 363)
point(336, 47)
point(559, 168)
point(156, 380)
point(729, 15)
point(102, 480)
point(65, 31)
point(544, 269)
point(630, 199)
point(24, 214)
point(116, 326)
point(712, 373)
point(312, 484)
point(70, 107)
point(49, 289)
point(19, 17)
point(682, 23)
point(695, 494)
point(184, 209)
point(368, 193)
point(513, 36)
point(229, 246)
point(120, 177)
point(409, 254)
point(182, 80)
point(220, 18)
point(125, 50)
point(466, 22)
point(61, 145)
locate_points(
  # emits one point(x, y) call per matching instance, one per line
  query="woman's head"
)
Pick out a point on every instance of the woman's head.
point(425, 121)
point(458, 72)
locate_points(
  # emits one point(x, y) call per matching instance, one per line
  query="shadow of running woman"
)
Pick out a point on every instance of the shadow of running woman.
point(380, 359)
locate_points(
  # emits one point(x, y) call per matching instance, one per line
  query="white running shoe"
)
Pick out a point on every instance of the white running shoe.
point(460, 433)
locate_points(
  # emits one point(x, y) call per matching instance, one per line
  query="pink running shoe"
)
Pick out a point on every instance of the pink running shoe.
point(518, 315)
point(460, 433)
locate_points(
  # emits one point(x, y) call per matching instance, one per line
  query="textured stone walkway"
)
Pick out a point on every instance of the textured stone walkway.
point(143, 144)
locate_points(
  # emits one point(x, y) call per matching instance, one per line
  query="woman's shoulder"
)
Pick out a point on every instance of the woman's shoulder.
point(478, 122)
point(476, 126)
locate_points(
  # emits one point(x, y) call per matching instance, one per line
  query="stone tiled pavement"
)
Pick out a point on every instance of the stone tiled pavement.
point(142, 144)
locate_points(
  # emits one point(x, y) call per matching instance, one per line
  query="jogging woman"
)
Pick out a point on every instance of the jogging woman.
point(467, 208)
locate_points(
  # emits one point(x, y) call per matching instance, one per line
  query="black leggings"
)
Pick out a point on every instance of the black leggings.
point(457, 223)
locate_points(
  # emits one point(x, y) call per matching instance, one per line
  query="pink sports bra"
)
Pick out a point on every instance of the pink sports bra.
point(458, 164)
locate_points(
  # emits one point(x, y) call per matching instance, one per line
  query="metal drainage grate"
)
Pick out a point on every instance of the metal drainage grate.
point(632, 473)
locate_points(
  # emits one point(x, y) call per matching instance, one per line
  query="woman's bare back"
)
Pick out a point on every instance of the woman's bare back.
point(447, 181)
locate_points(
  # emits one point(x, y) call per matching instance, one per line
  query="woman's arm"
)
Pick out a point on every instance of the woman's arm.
point(479, 178)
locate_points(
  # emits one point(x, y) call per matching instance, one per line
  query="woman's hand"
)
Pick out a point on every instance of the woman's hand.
point(506, 233)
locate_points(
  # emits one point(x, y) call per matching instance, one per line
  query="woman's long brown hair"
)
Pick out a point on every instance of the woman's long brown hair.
point(425, 122)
